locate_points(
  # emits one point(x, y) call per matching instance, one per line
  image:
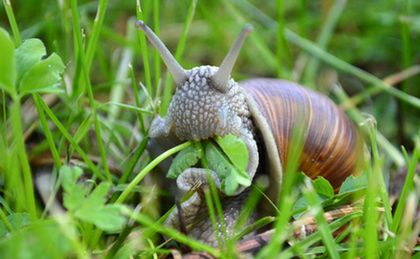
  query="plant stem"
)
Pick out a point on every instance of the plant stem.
point(149, 167)
point(20, 153)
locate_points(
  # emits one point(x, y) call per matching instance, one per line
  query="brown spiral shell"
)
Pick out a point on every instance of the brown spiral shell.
point(332, 144)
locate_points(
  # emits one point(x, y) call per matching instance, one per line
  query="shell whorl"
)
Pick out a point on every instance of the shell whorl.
point(332, 143)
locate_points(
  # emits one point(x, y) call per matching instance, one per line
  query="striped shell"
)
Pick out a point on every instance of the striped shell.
point(332, 143)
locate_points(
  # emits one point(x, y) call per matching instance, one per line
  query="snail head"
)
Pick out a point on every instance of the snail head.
point(207, 102)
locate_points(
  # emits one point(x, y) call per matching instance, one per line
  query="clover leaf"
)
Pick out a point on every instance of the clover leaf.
point(23, 71)
point(90, 206)
point(184, 159)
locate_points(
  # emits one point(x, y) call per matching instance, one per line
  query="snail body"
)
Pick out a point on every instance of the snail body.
point(209, 103)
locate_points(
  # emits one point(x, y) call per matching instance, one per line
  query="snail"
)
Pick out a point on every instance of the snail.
point(262, 112)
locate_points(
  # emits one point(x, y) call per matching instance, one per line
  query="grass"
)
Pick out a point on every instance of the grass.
point(113, 200)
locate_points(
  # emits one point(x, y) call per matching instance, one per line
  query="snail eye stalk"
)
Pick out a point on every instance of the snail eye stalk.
point(221, 77)
point(176, 70)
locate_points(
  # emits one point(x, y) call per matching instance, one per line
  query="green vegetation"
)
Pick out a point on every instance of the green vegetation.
point(227, 157)
point(79, 86)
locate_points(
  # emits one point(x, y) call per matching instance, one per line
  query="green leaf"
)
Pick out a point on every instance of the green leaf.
point(94, 210)
point(69, 176)
point(98, 195)
point(41, 239)
point(90, 207)
point(230, 176)
point(107, 218)
point(352, 183)
point(7, 63)
point(27, 55)
point(230, 184)
point(74, 194)
point(235, 149)
point(302, 204)
point(43, 76)
point(16, 220)
point(185, 159)
point(217, 161)
point(322, 186)
point(300, 207)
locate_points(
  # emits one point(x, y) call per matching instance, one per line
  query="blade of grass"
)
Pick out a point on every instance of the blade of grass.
point(227, 245)
point(282, 51)
point(96, 31)
point(258, 224)
point(12, 179)
point(372, 91)
point(85, 75)
point(5, 221)
point(47, 132)
point(306, 243)
point(144, 51)
point(168, 89)
point(288, 190)
point(53, 149)
point(118, 89)
point(356, 232)
point(355, 114)
point(323, 228)
point(119, 242)
point(156, 57)
point(126, 106)
point(246, 212)
point(339, 64)
point(377, 158)
point(324, 37)
point(196, 245)
point(271, 61)
point(212, 214)
point(407, 187)
point(405, 39)
point(81, 132)
point(407, 228)
point(137, 100)
point(133, 161)
point(12, 20)
point(70, 139)
point(4, 116)
point(22, 157)
point(370, 212)
point(214, 206)
point(130, 187)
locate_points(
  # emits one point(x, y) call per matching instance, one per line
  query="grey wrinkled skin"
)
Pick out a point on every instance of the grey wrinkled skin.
point(198, 111)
